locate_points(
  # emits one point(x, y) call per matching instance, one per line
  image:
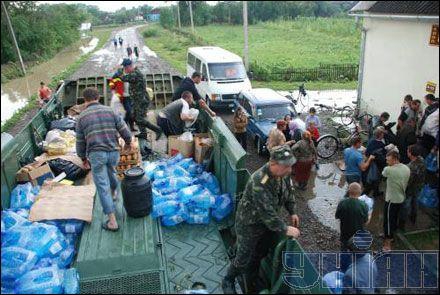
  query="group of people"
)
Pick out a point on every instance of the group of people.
point(129, 49)
point(399, 159)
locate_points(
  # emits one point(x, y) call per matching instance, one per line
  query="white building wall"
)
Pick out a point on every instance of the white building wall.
point(397, 61)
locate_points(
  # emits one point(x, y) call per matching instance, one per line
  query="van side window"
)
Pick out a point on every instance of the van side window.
point(197, 65)
point(191, 60)
point(204, 72)
point(247, 106)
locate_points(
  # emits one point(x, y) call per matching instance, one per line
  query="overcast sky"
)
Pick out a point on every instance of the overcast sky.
point(112, 6)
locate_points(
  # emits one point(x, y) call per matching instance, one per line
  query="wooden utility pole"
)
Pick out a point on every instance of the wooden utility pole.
point(245, 28)
point(11, 30)
point(178, 15)
point(191, 16)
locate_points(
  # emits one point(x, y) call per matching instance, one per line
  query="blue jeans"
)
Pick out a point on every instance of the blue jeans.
point(103, 166)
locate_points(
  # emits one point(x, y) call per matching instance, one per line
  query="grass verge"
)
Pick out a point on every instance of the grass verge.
point(102, 34)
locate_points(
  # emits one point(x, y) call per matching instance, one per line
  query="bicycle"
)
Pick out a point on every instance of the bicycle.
point(349, 114)
point(329, 144)
point(329, 110)
point(302, 95)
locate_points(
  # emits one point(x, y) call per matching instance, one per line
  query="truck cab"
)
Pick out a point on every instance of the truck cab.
point(264, 107)
point(223, 74)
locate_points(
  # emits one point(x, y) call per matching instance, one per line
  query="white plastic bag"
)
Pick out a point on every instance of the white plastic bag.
point(117, 106)
point(186, 136)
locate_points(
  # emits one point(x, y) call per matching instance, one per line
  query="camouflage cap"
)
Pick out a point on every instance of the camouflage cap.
point(282, 155)
point(126, 62)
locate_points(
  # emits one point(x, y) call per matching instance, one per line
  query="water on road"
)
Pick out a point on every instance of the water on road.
point(15, 93)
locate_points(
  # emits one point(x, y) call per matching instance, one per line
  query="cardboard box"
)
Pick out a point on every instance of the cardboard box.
point(201, 150)
point(175, 146)
point(37, 175)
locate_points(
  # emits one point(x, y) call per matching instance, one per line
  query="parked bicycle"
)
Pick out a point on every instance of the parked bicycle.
point(329, 144)
point(350, 114)
point(303, 97)
point(329, 110)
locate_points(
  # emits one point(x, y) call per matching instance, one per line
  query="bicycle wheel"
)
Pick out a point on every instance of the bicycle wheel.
point(346, 115)
point(365, 120)
point(327, 146)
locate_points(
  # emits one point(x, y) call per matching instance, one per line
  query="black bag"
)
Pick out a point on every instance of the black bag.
point(63, 124)
point(72, 171)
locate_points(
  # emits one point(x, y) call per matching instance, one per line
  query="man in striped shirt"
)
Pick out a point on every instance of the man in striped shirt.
point(97, 145)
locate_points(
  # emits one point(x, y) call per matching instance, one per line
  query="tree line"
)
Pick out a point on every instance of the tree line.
point(230, 12)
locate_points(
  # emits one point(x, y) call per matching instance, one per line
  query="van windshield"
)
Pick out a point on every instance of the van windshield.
point(274, 112)
point(227, 71)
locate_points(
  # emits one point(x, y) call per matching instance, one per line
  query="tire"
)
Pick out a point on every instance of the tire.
point(346, 115)
point(327, 146)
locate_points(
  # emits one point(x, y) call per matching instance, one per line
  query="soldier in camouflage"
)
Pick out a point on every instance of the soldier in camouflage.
point(416, 181)
point(139, 97)
point(259, 219)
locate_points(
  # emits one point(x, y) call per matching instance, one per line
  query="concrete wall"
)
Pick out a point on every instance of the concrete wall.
point(397, 61)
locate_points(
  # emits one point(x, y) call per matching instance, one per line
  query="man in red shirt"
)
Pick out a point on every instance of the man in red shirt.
point(44, 94)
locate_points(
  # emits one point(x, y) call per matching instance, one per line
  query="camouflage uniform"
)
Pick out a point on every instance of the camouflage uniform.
point(259, 221)
point(416, 181)
point(140, 99)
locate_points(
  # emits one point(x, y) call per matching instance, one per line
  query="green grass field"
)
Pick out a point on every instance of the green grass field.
point(301, 43)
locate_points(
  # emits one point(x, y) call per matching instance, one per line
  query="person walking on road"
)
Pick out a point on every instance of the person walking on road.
point(139, 97)
point(136, 51)
point(120, 41)
point(258, 221)
point(115, 42)
point(129, 51)
point(97, 145)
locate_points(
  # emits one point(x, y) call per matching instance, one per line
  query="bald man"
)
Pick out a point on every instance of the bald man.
point(353, 214)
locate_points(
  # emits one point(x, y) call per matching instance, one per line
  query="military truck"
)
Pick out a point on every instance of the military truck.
point(143, 256)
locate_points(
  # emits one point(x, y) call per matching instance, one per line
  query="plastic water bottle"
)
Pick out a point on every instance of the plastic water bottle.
point(195, 169)
point(71, 239)
point(66, 257)
point(198, 218)
point(186, 194)
point(185, 163)
point(22, 212)
point(68, 226)
point(167, 208)
point(176, 159)
point(47, 280)
point(171, 185)
point(164, 198)
point(334, 281)
point(16, 261)
point(149, 169)
point(22, 196)
point(204, 199)
point(177, 171)
point(159, 174)
point(44, 262)
point(180, 216)
point(11, 219)
point(223, 207)
point(209, 181)
point(71, 281)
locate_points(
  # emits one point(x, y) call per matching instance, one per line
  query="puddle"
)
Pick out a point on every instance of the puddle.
point(15, 93)
point(334, 98)
point(324, 194)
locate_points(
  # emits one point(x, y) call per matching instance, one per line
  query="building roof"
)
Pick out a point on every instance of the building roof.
point(213, 54)
point(155, 11)
point(266, 96)
point(398, 7)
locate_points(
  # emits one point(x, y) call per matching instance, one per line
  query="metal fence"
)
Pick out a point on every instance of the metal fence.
point(325, 72)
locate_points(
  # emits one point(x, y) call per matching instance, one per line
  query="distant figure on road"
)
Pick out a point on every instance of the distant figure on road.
point(115, 42)
point(129, 51)
point(136, 51)
point(44, 93)
point(121, 41)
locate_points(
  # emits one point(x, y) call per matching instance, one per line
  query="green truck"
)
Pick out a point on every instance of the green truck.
point(143, 256)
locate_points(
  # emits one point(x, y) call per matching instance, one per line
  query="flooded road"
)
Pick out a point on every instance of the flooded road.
point(15, 93)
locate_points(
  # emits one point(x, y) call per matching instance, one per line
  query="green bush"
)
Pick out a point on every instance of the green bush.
point(151, 32)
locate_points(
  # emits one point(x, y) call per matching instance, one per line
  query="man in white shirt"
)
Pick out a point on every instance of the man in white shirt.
point(429, 123)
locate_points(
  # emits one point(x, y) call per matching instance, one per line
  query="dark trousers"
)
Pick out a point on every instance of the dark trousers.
point(391, 217)
point(242, 139)
point(126, 102)
point(166, 126)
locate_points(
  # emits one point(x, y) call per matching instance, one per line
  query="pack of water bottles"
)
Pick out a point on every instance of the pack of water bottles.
point(36, 256)
point(184, 192)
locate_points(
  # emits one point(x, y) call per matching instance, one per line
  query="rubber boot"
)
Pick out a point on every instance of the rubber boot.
point(228, 282)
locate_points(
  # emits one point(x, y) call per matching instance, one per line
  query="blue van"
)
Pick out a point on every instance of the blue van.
point(264, 107)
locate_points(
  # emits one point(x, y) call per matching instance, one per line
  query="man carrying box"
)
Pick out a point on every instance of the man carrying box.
point(175, 117)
